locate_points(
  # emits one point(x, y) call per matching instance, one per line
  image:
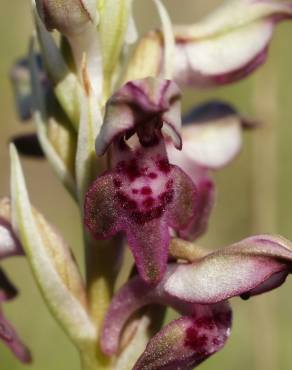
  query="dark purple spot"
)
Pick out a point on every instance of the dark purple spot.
point(148, 202)
point(169, 184)
point(153, 175)
point(146, 190)
point(132, 170)
point(125, 202)
point(163, 165)
point(205, 323)
point(135, 191)
point(117, 183)
point(143, 217)
point(196, 341)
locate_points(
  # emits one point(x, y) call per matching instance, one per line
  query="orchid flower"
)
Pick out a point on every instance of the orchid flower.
point(226, 46)
point(9, 247)
point(199, 291)
point(143, 194)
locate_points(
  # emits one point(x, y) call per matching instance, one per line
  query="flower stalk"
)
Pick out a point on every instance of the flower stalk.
point(141, 177)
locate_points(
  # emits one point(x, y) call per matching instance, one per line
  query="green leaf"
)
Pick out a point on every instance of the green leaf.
point(51, 262)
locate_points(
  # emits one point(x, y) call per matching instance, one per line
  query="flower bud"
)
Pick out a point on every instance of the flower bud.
point(69, 17)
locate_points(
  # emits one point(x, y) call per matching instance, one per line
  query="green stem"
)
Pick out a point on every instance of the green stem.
point(102, 267)
point(92, 359)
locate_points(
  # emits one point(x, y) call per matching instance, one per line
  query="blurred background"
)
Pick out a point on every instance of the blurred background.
point(254, 196)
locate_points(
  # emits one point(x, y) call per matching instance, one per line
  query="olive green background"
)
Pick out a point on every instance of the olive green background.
point(254, 196)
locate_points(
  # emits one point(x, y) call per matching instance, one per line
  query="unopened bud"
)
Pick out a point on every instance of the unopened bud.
point(67, 16)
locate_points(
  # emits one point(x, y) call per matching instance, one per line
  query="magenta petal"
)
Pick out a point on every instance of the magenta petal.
point(188, 341)
point(149, 244)
point(205, 198)
point(183, 208)
point(252, 266)
point(142, 197)
point(9, 336)
point(132, 296)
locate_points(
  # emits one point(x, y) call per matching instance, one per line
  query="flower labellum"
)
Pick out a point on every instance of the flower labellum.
point(142, 194)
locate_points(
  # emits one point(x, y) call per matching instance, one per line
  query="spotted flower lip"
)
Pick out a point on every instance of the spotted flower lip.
point(142, 194)
point(199, 291)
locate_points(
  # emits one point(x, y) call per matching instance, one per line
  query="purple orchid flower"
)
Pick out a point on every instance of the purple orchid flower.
point(199, 291)
point(9, 247)
point(142, 195)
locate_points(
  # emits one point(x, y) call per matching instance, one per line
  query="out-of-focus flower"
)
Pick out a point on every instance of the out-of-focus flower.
point(199, 291)
point(143, 194)
point(225, 47)
point(9, 247)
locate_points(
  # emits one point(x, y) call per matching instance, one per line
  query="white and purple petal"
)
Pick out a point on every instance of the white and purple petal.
point(253, 266)
point(229, 44)
point(140, 102)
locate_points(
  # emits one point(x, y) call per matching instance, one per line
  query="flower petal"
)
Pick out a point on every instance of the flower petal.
point(143, 207)
point(9, 336)
point(188, 341)
point(212, 134)
point(229, 44)
point(205, 192)
point(136, 294)
point(252, 266)
point(138, 102)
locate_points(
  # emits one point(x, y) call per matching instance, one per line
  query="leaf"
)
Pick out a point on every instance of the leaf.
point(51, 262)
